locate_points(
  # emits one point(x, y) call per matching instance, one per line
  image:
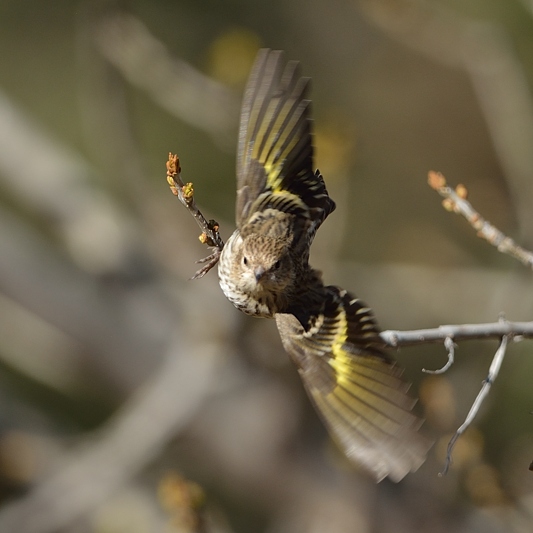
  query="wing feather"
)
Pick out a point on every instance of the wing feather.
point(275, 151)
point(356, 388)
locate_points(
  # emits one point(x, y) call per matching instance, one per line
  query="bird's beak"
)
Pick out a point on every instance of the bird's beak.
point(259, 272)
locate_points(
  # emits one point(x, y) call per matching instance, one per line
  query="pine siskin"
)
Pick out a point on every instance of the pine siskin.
point(331, 336)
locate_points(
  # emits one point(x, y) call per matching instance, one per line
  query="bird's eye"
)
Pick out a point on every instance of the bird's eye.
point(245, 260)
point(277, 264)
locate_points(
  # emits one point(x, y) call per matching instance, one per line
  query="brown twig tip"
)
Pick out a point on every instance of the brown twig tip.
point(173, 169)
point(436, 180)
point(455, 200)
point(173, 164)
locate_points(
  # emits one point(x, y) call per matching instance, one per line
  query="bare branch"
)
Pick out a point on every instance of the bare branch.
point(487, 383)
point(496, 330)
point(455, 200)
point(185, 194)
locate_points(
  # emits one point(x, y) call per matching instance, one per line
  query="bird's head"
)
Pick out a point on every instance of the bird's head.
point(266, 263)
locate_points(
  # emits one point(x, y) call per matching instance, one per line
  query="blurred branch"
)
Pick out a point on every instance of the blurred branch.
point(90, 473)
point(96, 233)
point(122, 328)
point(455, 200)
point(106, 114)
point(56, 184)
point(483, 51)
point(174, 84)
point(47, 355)
point(114, 329)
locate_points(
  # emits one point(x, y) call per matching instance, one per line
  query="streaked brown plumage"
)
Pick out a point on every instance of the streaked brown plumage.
point(332, 337)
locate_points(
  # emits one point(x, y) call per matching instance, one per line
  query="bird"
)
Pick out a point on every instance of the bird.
point(331, 336)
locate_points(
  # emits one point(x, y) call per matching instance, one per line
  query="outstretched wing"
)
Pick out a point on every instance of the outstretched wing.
point(356, 388)
point(275, 152)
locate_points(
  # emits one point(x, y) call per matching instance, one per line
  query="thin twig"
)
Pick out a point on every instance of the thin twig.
point(450, 346)
point(185, 194)
point(455, 200)
point(487, 383)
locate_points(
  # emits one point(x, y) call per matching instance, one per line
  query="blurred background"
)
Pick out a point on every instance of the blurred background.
point(133, 400)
